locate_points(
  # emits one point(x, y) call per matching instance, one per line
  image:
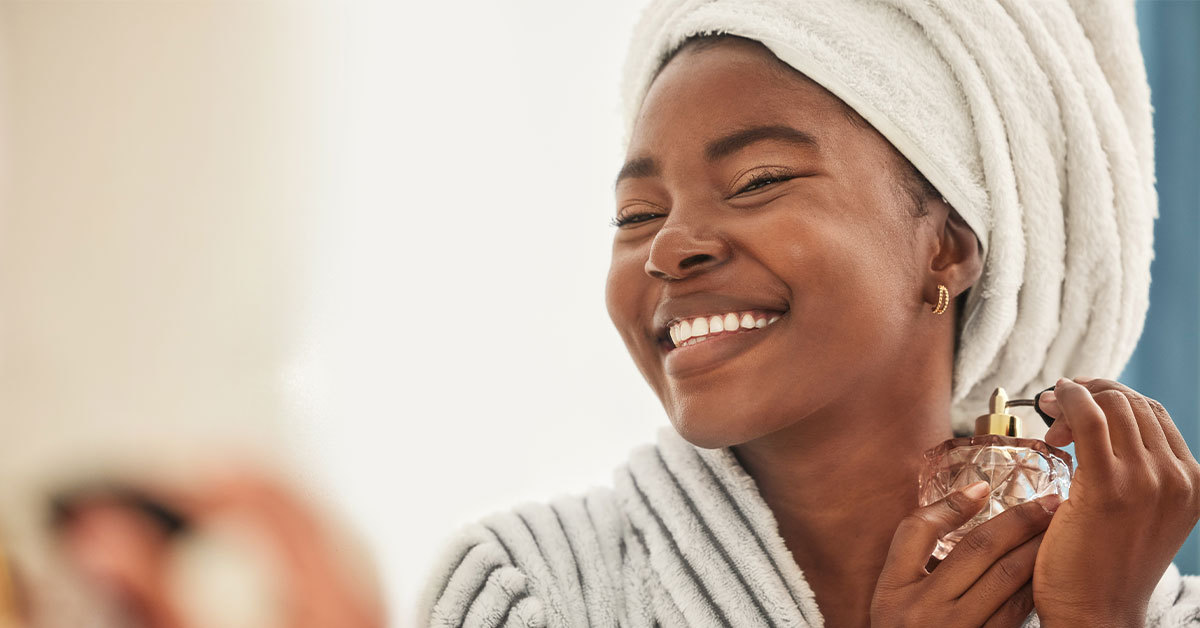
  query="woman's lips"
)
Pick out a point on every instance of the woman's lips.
point(714, 350)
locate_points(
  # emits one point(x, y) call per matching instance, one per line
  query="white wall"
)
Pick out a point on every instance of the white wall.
point(370, 237)
point(460, 359)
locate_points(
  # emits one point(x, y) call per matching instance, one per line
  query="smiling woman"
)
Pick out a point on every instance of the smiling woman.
point(754, 204)
point(813, 313)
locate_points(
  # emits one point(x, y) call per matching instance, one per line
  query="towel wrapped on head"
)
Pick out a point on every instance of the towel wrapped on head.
point(1031, 117)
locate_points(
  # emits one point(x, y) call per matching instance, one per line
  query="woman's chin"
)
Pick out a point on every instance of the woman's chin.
point(711, 432)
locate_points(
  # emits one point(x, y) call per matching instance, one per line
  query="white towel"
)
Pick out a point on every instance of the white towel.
point(1031, 117)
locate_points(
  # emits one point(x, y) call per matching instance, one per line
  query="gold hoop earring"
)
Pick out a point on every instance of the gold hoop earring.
point(943, 299)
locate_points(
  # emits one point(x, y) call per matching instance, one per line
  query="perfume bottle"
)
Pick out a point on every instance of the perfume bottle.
point(1018, 469)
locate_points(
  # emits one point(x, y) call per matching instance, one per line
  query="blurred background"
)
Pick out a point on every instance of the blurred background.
point(339, 267)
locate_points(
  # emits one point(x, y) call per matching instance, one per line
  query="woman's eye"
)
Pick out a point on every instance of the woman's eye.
point(763, 180)
point(627, 219)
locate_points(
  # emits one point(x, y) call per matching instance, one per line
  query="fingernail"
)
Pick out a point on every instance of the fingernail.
point(1062, 381)
point(1046, 396)
point(1084, 380)
point(1037, 406)
point(976, 490)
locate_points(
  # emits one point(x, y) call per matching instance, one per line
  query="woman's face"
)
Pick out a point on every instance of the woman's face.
point(749, 191)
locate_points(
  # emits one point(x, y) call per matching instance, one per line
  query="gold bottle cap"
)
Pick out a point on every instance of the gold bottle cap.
point(999, 421)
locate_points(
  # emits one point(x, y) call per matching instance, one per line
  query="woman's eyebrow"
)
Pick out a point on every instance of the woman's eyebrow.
point(722, 147)
point(729, 144)
point(638, 168)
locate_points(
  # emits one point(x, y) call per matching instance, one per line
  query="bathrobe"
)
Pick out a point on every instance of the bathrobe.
point(682, 538)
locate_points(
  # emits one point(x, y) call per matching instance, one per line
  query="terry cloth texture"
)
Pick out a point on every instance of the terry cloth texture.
point(682, 539)
point(1031, 117)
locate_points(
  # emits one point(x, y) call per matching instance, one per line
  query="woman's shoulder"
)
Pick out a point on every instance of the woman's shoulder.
point(586, 559)
point(539, 564)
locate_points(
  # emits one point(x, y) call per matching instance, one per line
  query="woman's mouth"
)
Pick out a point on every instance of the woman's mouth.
point(698, 343)
point(692, 330)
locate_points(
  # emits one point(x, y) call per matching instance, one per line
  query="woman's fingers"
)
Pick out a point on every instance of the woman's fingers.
point(1015, 610)
point(1175, 440)
point(993, 563)
point(983, 564)
point(1088, 424)
point(1123, 431)
point(919, 532)
point(1006, 576)
point(1157, 428)
point(1059, 434)
point(1148, 425)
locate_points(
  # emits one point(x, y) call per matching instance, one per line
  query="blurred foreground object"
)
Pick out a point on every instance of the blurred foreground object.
point(159, 173)
point(9, 617)
point(236, 550)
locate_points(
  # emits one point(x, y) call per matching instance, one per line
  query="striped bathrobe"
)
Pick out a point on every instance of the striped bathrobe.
point(683, 538)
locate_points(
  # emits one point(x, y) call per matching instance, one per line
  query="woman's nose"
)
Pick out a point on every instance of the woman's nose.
point(681, 249)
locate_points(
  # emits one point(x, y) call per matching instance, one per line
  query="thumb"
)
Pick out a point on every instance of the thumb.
point(919, 532)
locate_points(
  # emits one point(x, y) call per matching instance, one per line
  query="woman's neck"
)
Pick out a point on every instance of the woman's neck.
point(840, 480)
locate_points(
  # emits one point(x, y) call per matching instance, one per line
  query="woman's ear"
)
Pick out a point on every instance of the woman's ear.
point(957, 261)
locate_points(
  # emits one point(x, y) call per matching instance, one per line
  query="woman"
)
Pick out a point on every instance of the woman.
point(798, 191)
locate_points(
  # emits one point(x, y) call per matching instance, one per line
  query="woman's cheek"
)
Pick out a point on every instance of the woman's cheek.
point(621, 287)
point(630, 301)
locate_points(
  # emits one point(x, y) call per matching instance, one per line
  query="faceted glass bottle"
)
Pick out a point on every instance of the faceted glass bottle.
point(1017, 469)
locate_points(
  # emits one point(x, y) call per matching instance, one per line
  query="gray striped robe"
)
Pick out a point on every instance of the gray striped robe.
point(682, 539)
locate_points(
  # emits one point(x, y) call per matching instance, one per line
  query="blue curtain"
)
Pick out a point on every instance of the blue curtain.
point(1166, 364)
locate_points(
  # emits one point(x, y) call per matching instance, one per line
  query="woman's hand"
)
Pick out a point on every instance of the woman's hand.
point(983, 581)
point(1133, 502)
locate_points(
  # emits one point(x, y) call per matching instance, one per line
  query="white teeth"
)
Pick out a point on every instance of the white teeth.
point(689, 332)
